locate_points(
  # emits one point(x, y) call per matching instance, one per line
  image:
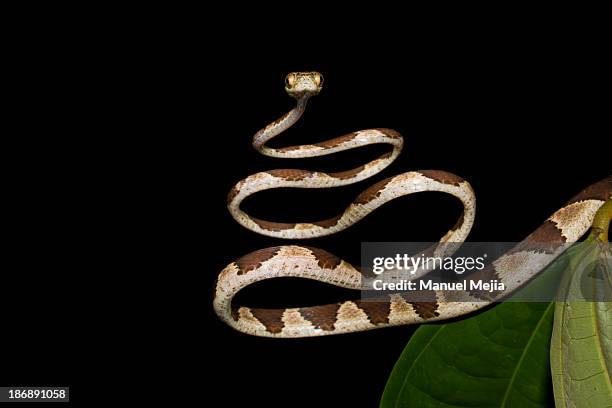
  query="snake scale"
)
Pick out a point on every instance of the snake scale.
point(514, 268)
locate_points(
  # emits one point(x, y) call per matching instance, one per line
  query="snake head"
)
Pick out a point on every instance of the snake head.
point(300, 84)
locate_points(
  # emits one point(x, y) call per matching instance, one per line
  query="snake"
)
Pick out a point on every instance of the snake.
point(514, 268)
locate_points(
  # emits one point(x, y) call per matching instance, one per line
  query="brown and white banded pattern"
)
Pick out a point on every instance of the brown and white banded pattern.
point(514, 268)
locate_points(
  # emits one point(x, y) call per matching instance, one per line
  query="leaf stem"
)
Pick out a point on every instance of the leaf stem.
point(601, 222)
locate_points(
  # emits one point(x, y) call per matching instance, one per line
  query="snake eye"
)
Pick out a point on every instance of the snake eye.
point(290, 80)
point(318, 79)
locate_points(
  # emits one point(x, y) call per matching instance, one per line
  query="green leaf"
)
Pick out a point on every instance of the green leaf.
point(581, 346)
point(496, 358)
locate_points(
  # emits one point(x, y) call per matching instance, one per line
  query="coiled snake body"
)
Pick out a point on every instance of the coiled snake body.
point(514, 268)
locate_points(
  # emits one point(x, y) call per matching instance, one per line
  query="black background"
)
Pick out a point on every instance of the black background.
point(124, 151)
point(524, 126)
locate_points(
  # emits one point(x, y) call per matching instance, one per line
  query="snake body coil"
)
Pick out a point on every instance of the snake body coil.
point(513, 269)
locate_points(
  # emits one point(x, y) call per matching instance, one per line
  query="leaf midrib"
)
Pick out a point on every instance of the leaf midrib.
point(561, 356)
point(599, 345)
point(518, 364)
point(598, 332)
point(414, 363)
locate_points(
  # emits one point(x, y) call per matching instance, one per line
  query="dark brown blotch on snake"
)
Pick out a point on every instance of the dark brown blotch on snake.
point(546, 239)
point(325, 260)
point(290, 174)
point(254, 260)
point(288, 148)
point(487, 274)
point(372, 192)
point(377, 311)
point(442, 177)
point(234, 312)
point(232, 194)
point(347, 174)
point(459, 222)
point(394, 134)
point(330, 222)
point(271, 318)
point(273, 226)
point(322, 317)
point(328, 144)
point(598, 191)
point(425, 310)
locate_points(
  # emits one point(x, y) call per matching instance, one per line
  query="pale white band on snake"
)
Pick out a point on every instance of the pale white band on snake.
point(514, 268)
